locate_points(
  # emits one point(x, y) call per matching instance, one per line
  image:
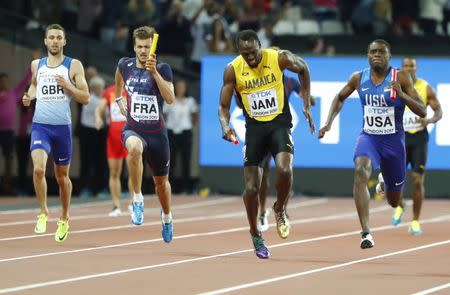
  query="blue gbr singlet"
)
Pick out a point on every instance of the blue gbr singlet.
point(144, 100)
point(381, 115)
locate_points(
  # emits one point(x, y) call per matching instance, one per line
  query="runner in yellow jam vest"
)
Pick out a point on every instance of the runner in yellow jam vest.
point(417, 144)
point(256, 75)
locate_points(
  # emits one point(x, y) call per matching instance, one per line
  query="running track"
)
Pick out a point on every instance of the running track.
point(211, 252)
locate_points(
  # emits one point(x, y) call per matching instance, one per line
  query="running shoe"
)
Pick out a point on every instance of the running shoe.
point(414, 228)
point(263, 222)
point(137, 216)
point(62, 231)
point(41, 224)
point(115, 212)
point(283, 226)
point(260, 248)
point(167, 230)
point(397, 217)
point(380, 185)
point(367, 241)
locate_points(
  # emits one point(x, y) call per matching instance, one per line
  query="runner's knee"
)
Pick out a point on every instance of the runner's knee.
point(134, 151)
point(39, 172)
point(362, 172)
point(284, 172)
point(62, 179)
point(394, 202)
point(251, 190)
point(417, 180)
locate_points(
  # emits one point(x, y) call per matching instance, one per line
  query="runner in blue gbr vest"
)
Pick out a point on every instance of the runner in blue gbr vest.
point(57, 79)
point(148, 84)
point(381, 143)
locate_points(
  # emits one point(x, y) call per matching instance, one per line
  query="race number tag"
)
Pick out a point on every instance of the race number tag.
point(49, 89)
point(379, 120)
point(263, 103)
point(116, 115)
point(144, 107)
point(411, 121)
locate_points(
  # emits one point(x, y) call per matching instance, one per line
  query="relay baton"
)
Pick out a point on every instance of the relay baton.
point(233, 138)
point(154, 42)
point(393, 93)
point(153, 46)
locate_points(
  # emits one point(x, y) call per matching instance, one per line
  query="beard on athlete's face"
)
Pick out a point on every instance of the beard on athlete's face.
point(55, 41)
point(54, 51)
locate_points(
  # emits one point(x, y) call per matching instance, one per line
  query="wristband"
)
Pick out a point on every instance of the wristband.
point(118, 99)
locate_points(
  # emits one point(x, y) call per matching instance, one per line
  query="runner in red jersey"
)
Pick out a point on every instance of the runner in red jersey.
point(115, 151)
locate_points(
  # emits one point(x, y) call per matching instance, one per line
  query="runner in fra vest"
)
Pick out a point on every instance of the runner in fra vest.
point(147, 84)
point(381, 142)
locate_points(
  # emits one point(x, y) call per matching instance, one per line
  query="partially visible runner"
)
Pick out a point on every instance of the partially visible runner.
point(115, 150)
point(291, 85)
point(55, 80)
point(381, 142)
point(256, 75)
point(9, 97)
point(417, 144)
point(148, 84)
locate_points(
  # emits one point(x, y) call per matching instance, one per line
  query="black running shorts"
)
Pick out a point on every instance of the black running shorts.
point(264, 138)
point(417, 150)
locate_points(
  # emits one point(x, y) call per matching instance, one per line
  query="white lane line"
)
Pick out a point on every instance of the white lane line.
point(432, 290)
point(54, 207)
point(309, 220)
point(147, 211)
point(103, 202)
point(312, 271)
point(181, 220)
point(153, 266)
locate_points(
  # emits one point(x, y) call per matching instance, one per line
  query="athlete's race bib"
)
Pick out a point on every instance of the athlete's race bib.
point(52, 92)
point(411, 121)
point(379, 120)
point(116, 115)
point(263, 103)
point(144, 107)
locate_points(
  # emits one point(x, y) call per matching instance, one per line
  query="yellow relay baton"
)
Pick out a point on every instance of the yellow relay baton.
point(153, 46)
point(154, 42)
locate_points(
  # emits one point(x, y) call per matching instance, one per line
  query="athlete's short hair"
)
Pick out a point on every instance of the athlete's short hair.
point(54, 27)
point(143, 33)
point(408, 57)
point(381, 41)
point(246, 35)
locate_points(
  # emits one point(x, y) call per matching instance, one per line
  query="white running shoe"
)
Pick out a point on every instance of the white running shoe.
point(116, 212)
point(367, 241)
point(380, 186)
point(263, 222)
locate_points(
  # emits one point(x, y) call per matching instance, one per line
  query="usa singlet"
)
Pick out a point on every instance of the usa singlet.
point(382, 138)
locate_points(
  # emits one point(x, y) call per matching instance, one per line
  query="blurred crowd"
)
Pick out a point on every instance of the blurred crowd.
point(193, 28)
